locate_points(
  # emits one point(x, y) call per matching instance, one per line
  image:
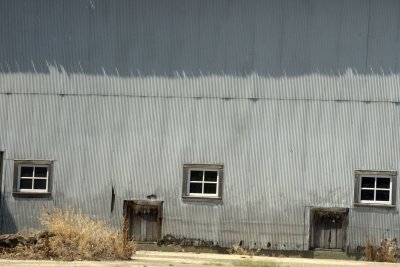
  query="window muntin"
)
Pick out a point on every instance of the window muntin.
point(203, 182)
point(375, 189)
point(33, 178)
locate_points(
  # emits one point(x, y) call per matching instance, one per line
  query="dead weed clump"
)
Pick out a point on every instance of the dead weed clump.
point(388, 251)
point(76, 236)
point(239, 250)
point(69, 236)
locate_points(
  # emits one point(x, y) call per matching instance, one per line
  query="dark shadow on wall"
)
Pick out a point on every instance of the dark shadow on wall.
point(199, 37)
point(7, 225)
point(26, 210)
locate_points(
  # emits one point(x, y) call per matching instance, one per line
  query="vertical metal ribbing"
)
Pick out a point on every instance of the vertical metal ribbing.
point(276, 91)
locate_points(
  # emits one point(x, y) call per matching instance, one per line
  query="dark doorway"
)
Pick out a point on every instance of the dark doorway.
point(144, 220)
point(328, 228)
point(1, 170)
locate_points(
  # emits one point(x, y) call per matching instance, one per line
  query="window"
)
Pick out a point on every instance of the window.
point(202, 181)
point(375, 187)
point(32, 177)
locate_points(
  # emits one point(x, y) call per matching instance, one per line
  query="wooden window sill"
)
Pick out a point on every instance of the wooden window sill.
point(31, 194)
point(374, 205)
point(215, 200)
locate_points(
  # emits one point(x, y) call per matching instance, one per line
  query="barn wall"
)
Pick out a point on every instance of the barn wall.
point(281, 157)
point(162, 38)
point(290, 96)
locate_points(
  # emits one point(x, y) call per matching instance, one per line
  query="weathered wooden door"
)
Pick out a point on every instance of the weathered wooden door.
point(329, 229)
point(145, 227)
point(144, 220)
point(328, 233)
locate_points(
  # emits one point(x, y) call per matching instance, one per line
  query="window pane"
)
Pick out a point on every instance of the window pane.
point(26, 171)
point(210, 188)
point(211, 176)
point(367, 194)
point(40, 171)
point(39, 184)
point(196, 175)
point(368, 182)
point(382, 195)
point(25, 184)
point(195, 188)
point(383, 182)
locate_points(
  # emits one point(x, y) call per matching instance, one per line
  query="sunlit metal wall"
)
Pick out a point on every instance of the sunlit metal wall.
point(290, 96)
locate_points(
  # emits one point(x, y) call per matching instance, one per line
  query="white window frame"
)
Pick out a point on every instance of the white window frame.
point(392, 174)
point(33, 178)
point(42, 193)
point(390, 189)
point(214, 197)
point(204, 170)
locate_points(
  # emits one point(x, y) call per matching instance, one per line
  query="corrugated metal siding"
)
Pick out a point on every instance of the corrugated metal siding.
point(280, 158)
point(234, 37)
point(313, 87)
point(279, 92)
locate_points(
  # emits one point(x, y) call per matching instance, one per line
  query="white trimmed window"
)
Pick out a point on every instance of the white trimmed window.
point(375, 187)
point(32, 177)
point(202, 181)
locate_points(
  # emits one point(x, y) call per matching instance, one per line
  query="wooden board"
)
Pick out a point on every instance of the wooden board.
point(327, 233)
point(144, 227)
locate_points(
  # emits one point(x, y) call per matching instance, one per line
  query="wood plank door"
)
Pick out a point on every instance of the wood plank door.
point(145, 227)
point(328, 233)
point(144, 220)
point(328, 228)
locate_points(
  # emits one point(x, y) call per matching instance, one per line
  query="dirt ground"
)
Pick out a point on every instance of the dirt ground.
point(184, 259)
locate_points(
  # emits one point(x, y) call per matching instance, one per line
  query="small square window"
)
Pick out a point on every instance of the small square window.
point(375, 188)
point(202, 181)
point(32, 178)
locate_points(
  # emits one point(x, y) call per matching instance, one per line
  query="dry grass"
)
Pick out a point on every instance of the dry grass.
point(76, 236)
point(72, 235)
point(239, 250)
point(388, 251)
point(369, 251)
